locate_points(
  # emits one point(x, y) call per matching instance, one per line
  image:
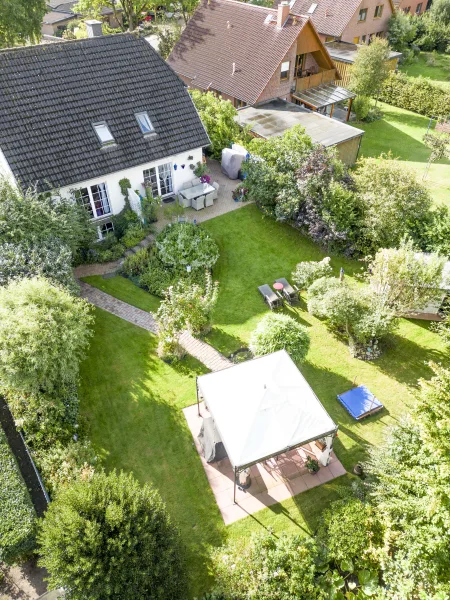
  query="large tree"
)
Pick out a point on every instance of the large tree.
point(370, 68)
point(21, 21)
point(108, 537)
point(44, 332)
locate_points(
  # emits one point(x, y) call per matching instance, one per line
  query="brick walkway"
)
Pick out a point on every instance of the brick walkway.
point(209, 356)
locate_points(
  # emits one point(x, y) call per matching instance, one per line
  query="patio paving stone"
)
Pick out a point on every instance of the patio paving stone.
point(272, 481)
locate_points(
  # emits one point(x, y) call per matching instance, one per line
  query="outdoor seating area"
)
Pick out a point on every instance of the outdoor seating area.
point(282, 292)
point(267, 428)
point(198, 194)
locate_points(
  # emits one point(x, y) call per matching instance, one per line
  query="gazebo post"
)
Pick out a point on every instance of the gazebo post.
point(331, 111)
point(234, 490)
point(196, 389)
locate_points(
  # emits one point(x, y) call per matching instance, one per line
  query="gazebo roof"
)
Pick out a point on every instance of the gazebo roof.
point(262, 408)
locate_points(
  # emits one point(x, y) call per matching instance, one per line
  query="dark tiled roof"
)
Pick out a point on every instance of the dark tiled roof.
point(223, 32)
point(57, 16)
point(51, 94)
point(67, 6)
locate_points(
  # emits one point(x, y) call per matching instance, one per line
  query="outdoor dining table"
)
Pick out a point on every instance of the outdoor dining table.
point(196, 191)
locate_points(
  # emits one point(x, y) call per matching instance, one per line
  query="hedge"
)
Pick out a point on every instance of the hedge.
point(416, 94)
point(17, 516)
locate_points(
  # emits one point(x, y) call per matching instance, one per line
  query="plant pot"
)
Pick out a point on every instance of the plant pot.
point(358, 469)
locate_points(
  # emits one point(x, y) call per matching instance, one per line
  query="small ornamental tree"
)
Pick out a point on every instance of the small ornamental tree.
point(404, 279)
point(402, 30)
point(280, 332)
point(395, 203)
point(279, 568)
point(308, 271)
point(439, 144)
point(110, 537)
point(44, 332)
point(370, 68)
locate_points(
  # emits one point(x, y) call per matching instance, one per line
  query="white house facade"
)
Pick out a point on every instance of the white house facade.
point(82, 115)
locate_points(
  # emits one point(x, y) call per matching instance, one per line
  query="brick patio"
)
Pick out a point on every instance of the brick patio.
point(273, 481)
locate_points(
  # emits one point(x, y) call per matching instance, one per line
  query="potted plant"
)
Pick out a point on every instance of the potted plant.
point(312, 465)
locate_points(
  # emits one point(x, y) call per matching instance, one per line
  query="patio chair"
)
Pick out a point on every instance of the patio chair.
point(209, 198)
point(182, 201)
point(291, 293)
point(215, 185)
point(187, 185)
point(196, 181)
point(198, 203)
point(272, 299)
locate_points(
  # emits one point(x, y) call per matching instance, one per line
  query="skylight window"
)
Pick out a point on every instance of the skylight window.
point(312, 8)
point(103, 133)
point(144, 123)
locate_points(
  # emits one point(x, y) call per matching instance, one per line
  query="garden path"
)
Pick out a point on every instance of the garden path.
point(206, 354)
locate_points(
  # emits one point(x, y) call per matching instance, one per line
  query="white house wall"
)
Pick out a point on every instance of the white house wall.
point(136, 177)
point(5, 170)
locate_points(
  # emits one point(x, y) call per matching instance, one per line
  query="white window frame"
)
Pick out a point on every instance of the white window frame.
point(102, 235)
point(157, 168)
point(104, 126)
point(92, 201)
point(364, 11)
point(146, 118)
point(285, 70)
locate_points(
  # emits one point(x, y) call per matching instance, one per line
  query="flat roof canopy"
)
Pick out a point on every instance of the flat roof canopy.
point(273, 118)
point(262, 408)
point(323, 95)
point(346, 52)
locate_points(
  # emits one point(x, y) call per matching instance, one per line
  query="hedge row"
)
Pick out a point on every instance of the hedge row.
point(17, 516)
point(416, 94)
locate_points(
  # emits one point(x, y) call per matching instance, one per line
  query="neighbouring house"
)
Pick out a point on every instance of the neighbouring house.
point(344, 55)
point(249, 54)
point(356, 21)
point(60, 14)
point(82, 115)
point(274, 117)
point(413, 6)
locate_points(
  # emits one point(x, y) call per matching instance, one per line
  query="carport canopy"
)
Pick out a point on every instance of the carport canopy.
point(323, 95)
point(264, 407)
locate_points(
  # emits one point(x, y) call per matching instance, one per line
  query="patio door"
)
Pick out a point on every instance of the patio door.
point(159, 179)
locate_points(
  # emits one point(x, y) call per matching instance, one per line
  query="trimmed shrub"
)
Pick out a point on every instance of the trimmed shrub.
point(277, 332)
point(416, 94)
point(17, 516)
point(308, 271)
point(186, 244)
point(361, 107)
point(136, 264)
point(133, 235)
point(121, 534)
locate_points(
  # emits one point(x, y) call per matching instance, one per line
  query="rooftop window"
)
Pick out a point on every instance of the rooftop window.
point(312, 8)
point(103, 133)
point(144, 123)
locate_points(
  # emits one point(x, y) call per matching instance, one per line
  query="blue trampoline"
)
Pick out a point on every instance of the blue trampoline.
point(360, 402)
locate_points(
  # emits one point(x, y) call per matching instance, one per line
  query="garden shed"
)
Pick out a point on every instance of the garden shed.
point(273, 118)
point(264, 407)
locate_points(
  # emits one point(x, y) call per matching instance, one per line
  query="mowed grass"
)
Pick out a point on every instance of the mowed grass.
point(125, 290)
point(433, 66)
point(132, 402)
point(401, 132)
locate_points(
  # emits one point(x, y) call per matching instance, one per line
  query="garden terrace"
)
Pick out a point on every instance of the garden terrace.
point(133, 401)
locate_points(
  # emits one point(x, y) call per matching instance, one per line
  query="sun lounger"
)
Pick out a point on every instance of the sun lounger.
point(272, 299)
point(290, 293)
point(360, 402)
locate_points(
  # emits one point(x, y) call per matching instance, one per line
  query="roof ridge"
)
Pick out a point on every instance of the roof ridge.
point(66, 42)
point(246, 4)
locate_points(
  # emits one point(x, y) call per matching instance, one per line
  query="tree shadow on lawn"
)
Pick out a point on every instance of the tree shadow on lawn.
point(387, 138)
point(133, 402)
point(406, 361)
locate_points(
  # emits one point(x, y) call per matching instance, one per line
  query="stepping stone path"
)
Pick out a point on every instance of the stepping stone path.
point(206, 354)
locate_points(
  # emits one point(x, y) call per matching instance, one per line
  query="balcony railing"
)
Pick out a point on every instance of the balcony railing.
point(313, 80)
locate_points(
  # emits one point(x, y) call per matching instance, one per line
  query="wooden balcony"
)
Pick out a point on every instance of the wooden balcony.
point(309, 81)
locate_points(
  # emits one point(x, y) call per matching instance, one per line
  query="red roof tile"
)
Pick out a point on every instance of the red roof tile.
point(226, 32)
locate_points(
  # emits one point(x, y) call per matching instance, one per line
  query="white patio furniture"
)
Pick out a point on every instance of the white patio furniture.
point(182, 200)
point(196, 181)
point(209, 198)
point(194, 192)
point(215, 185)
point(198, 203)
point(187, 185)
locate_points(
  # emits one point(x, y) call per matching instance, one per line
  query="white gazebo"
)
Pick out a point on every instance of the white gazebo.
point(262, 408)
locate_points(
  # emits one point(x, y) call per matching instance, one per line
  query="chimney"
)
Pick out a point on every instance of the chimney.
point(234, 69)
point(94, 28)
point(283, 13)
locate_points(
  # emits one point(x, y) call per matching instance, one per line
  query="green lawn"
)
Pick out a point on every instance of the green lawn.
point(133, 401)
point(125, 290)
point(401, 132)
point(435, 67)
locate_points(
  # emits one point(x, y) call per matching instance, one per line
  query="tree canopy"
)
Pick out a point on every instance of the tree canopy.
point(109, 537)
point(21, 21)
point(370, 68)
